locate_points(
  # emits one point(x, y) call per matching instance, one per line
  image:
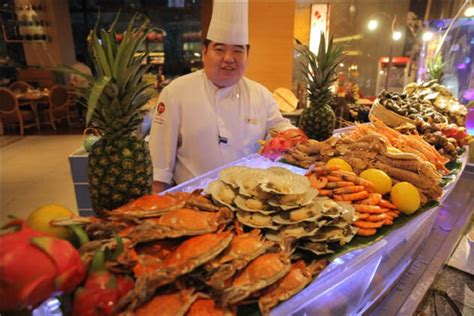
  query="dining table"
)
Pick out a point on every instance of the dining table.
point(30, 100)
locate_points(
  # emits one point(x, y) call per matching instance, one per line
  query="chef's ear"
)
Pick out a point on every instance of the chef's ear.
point(205, 46)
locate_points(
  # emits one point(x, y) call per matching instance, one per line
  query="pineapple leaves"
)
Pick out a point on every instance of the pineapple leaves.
point(320, 70)
point(94, 96)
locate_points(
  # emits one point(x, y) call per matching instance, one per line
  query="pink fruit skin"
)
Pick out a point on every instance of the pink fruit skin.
point(34, 265)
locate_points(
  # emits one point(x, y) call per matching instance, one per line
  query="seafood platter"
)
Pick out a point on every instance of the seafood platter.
point(322, 228)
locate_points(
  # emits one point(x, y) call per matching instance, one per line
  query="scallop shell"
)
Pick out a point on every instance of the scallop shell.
point(221, 193)
point(308, 213)
point(288, 184)
point(279, 171)
point(252, 205)
point(298, 230)
point(230, 175)
point(330, 234)
point(256, 220)
point(318, 248)
point(248, 183)
point(291, 201)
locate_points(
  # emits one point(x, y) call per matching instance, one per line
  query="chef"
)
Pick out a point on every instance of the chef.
point(214, 116)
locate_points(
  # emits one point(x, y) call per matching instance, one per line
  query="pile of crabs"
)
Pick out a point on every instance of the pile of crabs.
point(190, 255)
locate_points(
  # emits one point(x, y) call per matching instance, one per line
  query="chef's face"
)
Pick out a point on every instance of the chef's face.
point(224, 64)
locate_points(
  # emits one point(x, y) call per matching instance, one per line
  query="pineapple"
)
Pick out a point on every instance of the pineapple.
point(436, 68)
point(318, 120)
point(119, 168)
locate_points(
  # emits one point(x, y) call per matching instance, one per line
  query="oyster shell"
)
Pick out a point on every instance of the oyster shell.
point(221, 193)
point(256, 220)
point(288, 184)
point(252, 205)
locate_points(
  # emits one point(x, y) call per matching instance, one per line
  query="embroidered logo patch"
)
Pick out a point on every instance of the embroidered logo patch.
point(160, 109)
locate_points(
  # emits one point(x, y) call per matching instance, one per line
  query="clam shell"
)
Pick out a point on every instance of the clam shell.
point(291, 201)
point(288, 184)
point(221, 193)
point(318, 248)
point(256, 220)
point(252, 205)
point(230, 175)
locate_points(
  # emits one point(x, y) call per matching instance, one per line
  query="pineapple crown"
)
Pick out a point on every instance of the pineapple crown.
point(116, 95)
point(319, 70)
point(436, 68)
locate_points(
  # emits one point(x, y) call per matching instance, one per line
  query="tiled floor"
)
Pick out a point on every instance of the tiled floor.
point(35, 171)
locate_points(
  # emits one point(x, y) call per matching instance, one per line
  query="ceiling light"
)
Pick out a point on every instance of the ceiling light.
point(427, 36)
point(373, 24)
point(396, 35)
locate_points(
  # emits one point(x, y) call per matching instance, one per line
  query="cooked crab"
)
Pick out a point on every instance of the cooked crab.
point(174, 304)
point(208, 307)
point(243, 249)
point(260, 273)
point(186, 257)
point(297, 278)
point(177, 223)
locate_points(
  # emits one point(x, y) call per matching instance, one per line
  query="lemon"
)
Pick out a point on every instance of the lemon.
point(39, 220)
point(393, 150)
point(382, 182)
point(406, 197)
point(339, 162)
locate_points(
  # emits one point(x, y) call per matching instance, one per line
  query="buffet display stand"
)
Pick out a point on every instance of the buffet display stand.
point(354, 282)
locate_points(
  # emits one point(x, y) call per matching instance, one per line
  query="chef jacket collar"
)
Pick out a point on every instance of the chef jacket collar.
point(222, 91)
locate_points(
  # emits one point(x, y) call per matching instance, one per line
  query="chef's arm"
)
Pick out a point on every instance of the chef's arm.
point(159, 186)
point(164, 140)
point(275, 121)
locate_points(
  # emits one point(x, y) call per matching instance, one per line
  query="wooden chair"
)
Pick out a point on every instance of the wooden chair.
point(21, 86)
point(58, 105)
point(10, 112)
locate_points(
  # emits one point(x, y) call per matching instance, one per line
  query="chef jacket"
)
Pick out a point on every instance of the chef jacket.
point(198, 127)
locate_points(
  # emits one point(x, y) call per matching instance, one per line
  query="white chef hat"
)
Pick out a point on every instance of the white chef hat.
point(229, 22)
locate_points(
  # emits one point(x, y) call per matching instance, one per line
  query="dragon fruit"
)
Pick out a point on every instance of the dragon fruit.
point(34, 265)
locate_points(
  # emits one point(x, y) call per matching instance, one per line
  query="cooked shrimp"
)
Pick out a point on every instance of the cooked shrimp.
point(352, 197)
point(366, 224)
point(393, 214)
point(325, 192)
point(339, 184)
point(334, 179)
point(349, 176)
point(386, 204)
point(317, 182)
point(362, 215)
point(366, 231)
point(376, 217)
point(351, 189)
point(388, 222)
point(371, 209)
point(373, 199)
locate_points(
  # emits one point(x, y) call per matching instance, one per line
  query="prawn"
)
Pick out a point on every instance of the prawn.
point(371, 209)
point(339, 184)
point(316, 182)
point(352, 197)
point(373, 199)
point(366, 231)
point(349, 189)
point(386, 204)
point(366, 224)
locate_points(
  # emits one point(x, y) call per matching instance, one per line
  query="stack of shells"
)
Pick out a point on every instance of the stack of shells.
point(285, 206)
